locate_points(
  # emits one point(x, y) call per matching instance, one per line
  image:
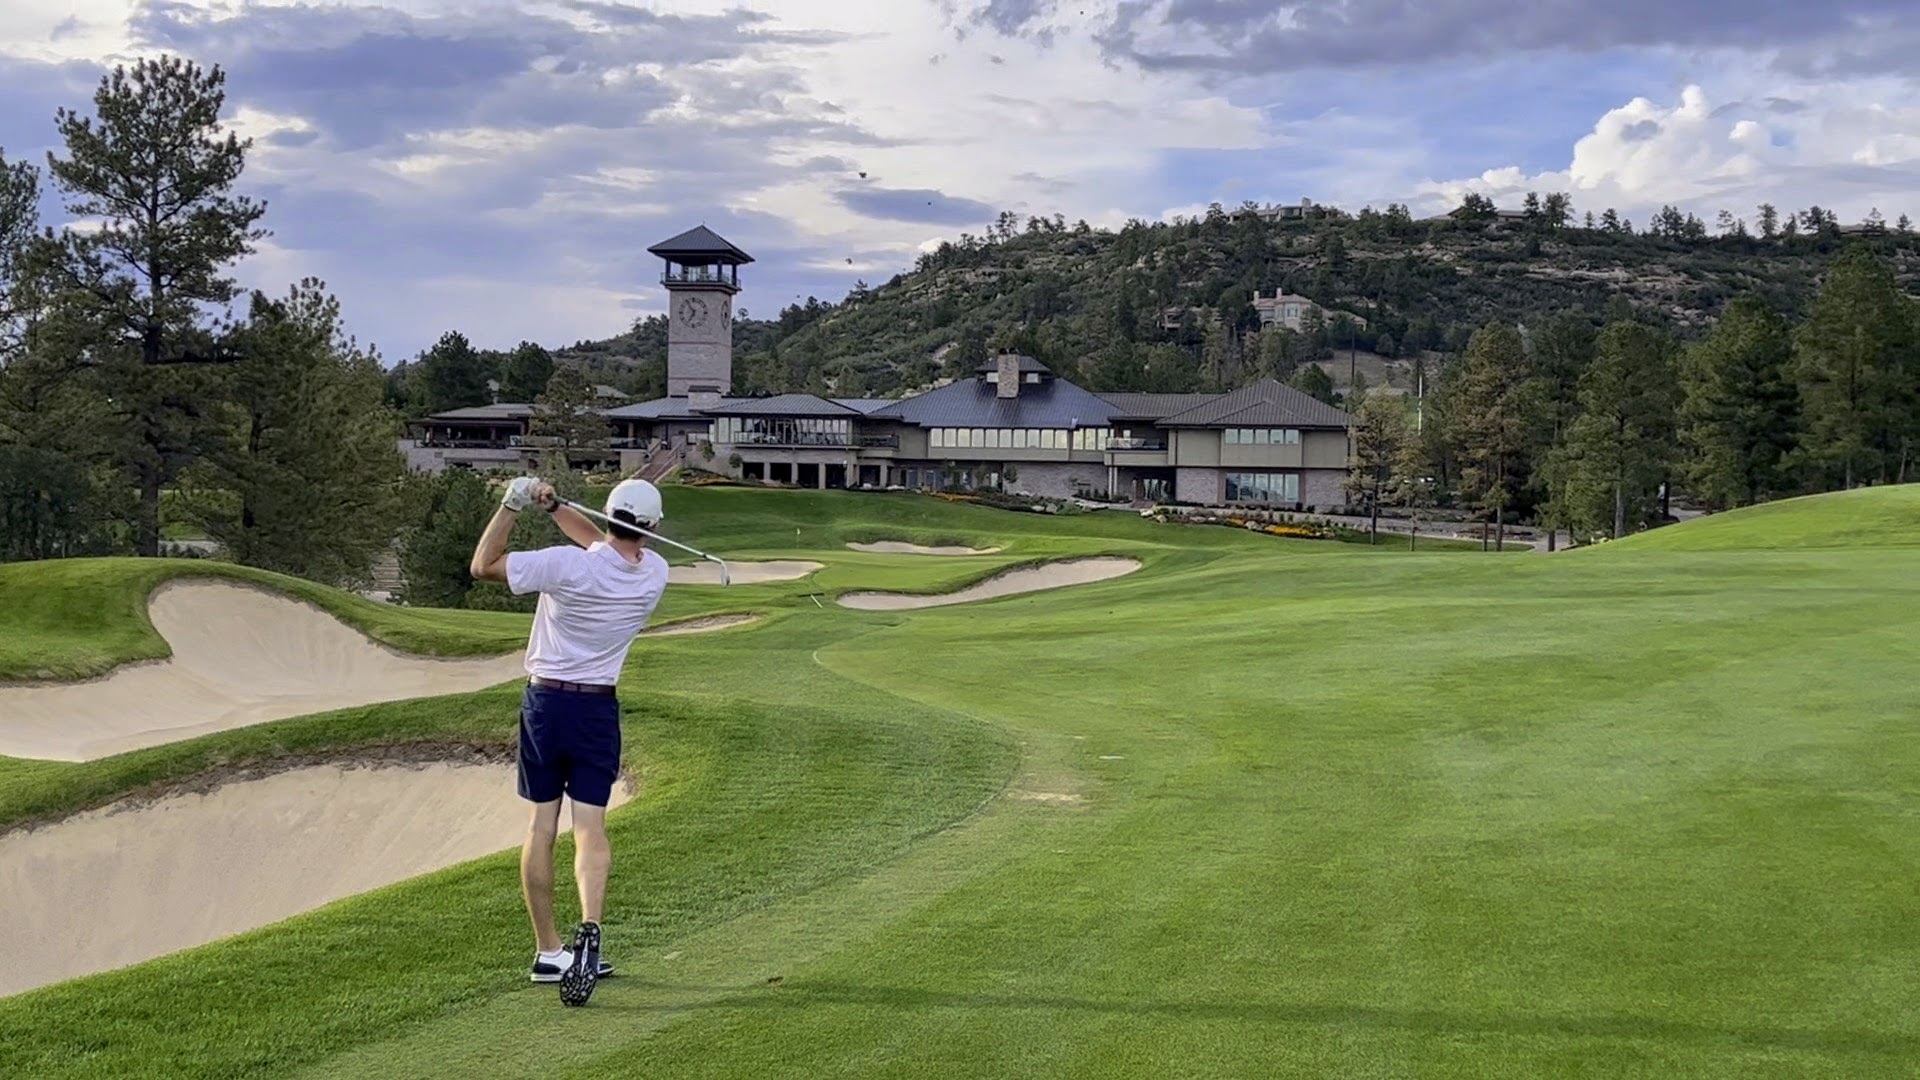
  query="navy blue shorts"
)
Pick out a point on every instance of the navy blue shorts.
point(569, 744)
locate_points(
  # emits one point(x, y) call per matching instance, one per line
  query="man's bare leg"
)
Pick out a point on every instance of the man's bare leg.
point(536, 873)
point(592, 858)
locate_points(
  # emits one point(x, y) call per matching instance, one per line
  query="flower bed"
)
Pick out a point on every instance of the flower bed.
point(1270, 522)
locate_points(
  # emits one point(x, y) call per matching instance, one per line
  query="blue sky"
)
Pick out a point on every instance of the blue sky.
point(500, 167)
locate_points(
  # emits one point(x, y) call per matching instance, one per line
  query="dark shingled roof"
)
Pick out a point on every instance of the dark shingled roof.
point(505, 410)
point(1264, 404)
point(700, 242)
point(863, 405)
point(1155, 406)
point(1054, 403)
point(666, 408)
point(781, 405)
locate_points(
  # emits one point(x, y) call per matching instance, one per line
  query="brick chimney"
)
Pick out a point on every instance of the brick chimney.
point(702, 397)
point(1009, 376)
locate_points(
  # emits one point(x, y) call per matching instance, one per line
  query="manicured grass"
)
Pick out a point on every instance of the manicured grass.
point(1279, 808)
point(1864, 517)
point(75, 618)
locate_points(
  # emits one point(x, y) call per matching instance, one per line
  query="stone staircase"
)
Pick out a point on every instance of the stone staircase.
point(388, 581)
point(662, 461)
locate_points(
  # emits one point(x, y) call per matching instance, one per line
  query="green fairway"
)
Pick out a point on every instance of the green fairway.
point(1264, 807)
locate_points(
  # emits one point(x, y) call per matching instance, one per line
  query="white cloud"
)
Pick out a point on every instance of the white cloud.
point(1847, 147)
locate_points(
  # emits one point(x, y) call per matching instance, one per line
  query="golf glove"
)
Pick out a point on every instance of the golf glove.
point(519, 493)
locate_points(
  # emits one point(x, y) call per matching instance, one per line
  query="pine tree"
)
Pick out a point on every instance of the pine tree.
point(525, 373)
point(1558, 210)
point(569, 413)
point(61, 492)
point(1856, 365)
point(1279, 352)
point(452, 375)
point(435, 554)
point(1379, 450)
point(1315, 337)
point(1313, 381)
point(19, 218)
point(1117, 368)
point(154, 167)
point(1216, 356)
point(308, 427)
point(1495, 406)
point(1769, 221)
point(1562, 351)
point(1738, 407)
point(1618, 449)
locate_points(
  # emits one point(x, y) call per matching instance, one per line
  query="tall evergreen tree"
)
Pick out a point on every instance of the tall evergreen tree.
point(569, 413)
point(1313, 381)
point(61, 490)
point(1562, 350)
point(19, 217)
point(1621, 444)
point(436, 553)
point(452, 374)
point(526, 372)
point(1279, 352)
point(1216, 356)
point(155, 168)
point(1738, 407)
point(1379, 454)
point(308, 431)
point(1496, 410)
point(1857, 369)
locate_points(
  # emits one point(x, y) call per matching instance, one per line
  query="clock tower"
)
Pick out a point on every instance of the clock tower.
point(701, 277)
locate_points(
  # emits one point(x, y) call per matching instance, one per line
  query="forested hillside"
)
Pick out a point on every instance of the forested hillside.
point(1168, 306)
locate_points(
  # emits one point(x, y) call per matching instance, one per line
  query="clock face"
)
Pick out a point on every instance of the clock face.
point(693, 312)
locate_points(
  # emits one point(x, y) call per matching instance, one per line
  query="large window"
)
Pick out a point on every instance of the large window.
point(780, 431)
point(1263, 487)
point(1261, 436)
point(946, 438)
point(1090, 438)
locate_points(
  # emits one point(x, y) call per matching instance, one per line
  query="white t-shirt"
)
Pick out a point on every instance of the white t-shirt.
point(592, 603)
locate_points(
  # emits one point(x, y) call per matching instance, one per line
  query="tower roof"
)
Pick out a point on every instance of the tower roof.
point(700, 242)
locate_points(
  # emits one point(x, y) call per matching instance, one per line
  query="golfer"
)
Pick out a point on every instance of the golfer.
point(594, 597)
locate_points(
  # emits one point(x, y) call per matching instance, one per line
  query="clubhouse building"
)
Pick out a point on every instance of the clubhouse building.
point(1013, 425)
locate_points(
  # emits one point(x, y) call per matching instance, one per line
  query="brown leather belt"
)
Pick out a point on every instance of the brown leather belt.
point(576, 687)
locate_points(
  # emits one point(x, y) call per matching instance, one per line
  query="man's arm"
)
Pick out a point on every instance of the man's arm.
point(490, 554)
point(576, 525)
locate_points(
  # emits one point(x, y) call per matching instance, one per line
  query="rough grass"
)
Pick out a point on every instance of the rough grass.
point(1280, 808)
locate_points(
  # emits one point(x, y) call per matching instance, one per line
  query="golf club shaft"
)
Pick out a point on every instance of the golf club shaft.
point(598, 516)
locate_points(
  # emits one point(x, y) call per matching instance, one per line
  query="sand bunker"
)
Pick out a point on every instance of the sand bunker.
point(702, 625)
point(741, 573)
point(896, 547)
point(1024, 580)
point(116, 886)
point(240, 656)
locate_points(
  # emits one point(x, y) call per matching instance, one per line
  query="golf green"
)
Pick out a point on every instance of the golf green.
point(1262, 808)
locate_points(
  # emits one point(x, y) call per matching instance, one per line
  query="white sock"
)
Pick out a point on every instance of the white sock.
point(554, 955)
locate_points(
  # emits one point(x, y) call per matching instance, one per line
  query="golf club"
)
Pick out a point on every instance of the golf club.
point(598, 516)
